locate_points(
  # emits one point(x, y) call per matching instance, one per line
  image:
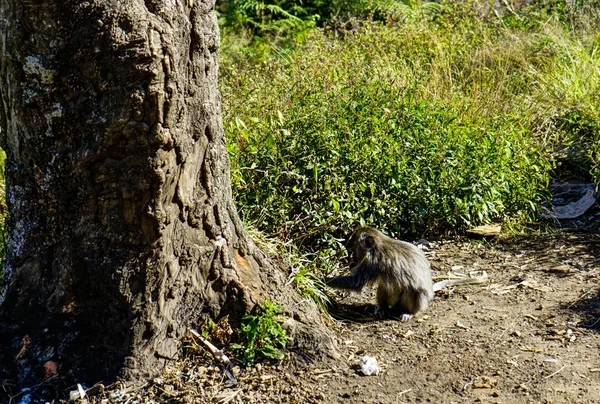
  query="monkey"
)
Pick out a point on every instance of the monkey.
point(401, 270)
point(402, 273)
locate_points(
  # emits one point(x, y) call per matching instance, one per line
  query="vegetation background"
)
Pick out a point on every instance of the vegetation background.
point(420, 118)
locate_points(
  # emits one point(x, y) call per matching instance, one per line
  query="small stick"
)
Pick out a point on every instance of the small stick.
point(580, 298)
point(552, 374)
point(594, 325)
point(218, 354)
point(403, 392)
point(320, 372)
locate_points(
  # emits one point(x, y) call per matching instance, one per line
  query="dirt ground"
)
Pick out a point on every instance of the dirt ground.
point(531, 334)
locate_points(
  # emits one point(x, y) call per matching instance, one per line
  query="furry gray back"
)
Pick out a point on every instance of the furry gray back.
point(405, 265)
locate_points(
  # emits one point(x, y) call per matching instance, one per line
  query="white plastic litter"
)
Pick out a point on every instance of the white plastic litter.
point(75, 395)
point(369, 365)
point(577, 208)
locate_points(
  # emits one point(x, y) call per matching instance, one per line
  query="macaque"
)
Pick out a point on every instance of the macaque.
point(402, 272)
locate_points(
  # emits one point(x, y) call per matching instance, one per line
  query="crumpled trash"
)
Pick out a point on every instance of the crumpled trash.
point(368, 365)
point(577, 208)
point(75, 395)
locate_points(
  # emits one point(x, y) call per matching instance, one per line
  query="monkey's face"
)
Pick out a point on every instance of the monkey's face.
point(360, 243)
point(353, 252)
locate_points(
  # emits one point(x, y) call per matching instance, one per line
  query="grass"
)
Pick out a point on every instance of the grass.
point(421, 126)
point(304, 268)
point(566, 103)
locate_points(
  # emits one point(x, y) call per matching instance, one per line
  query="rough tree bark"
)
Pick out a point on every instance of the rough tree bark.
point(122, 229)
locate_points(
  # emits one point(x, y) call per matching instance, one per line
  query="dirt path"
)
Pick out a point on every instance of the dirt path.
point(532, 334)
point(523, 337)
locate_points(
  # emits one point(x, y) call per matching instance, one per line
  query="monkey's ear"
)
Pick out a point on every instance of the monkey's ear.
point(367, 242)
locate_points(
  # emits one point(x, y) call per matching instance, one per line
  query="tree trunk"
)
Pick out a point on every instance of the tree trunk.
point(122, 229)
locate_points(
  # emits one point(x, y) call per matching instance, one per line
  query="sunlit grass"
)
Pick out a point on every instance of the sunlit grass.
point(422, 127)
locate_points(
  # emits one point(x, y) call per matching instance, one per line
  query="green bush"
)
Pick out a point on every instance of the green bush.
point(262, 18)
point(446, 118)
point(259, 28)
point(370, 130)
point(265, 18)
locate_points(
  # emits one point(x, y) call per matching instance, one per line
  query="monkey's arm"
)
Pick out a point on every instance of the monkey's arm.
point(361, 275)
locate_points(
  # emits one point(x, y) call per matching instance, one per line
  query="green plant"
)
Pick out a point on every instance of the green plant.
point(309, 285)
point(207, 328)
point(258, 28)
point(261, 18)
point(262, 334)
point(264, 17)
point(3, 252)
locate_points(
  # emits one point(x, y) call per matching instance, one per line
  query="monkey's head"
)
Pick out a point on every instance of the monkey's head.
point(362, 241)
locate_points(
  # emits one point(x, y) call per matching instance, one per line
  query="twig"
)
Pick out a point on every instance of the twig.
point(231, 397)
point(218, 354)
point(32, 388)
point(403, 392)
point(509, 8)
point(552, 374)
point(131, 389)
point(467, 385)
point(580, 298)
point(594, 323)
point(320, 372)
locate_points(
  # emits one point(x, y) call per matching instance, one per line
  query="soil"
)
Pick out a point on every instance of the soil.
point(530, 334)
